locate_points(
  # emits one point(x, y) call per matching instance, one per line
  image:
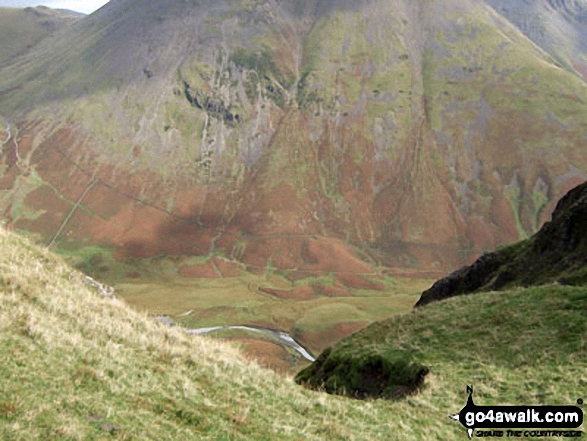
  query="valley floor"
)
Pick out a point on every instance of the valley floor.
point(316, 322)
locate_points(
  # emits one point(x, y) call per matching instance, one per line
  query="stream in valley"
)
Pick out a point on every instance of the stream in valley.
point(8, 135)
point(283, 337)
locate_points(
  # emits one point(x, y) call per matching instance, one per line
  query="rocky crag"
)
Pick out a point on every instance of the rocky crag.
point(556, 254)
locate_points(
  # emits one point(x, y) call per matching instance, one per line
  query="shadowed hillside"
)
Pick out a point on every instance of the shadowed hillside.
point(22, 29)
point(556, 254)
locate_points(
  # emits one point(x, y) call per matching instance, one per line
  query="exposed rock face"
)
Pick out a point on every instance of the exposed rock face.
point(557, 253)
point(413, 134)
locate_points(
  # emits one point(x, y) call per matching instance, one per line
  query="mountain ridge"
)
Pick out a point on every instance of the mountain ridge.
point(559, 27)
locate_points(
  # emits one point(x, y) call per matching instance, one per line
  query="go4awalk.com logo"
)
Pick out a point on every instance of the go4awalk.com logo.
point(519, 421)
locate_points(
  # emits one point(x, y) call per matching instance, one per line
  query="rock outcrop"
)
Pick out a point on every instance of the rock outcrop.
point(556, 254)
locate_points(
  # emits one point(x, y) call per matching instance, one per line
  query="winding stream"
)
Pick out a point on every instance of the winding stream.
point(8, 136)
point(283, 337)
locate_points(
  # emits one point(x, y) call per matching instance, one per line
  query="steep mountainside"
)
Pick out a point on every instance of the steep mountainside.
point(557, 253)
point(22, 29)
point(558, 26)
point(307, 136)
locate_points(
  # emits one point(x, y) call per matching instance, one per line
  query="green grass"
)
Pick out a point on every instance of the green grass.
point(516, 347)
point(238, 301)
point(328, 316)
point(327, 280)
point(89, 259)
point(80, 366)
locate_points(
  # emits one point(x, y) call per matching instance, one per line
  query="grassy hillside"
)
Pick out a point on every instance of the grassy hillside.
point(80, 366)
point(21, 29)
point(516, 347)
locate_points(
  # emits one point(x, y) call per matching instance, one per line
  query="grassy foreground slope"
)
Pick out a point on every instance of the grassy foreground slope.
point(76, 365)
point(516, 347)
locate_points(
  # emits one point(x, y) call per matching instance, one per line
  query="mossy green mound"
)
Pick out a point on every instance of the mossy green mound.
point(370, 375)
point(530, 339)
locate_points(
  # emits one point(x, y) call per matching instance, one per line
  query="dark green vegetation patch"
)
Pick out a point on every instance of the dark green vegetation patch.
point(370, 375)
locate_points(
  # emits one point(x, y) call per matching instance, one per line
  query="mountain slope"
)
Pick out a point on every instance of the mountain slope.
point(22, 29)
point(557, 26)
point(557, 253)
point(318, 136)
